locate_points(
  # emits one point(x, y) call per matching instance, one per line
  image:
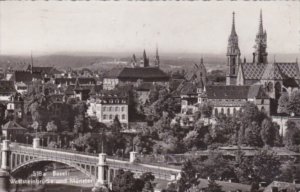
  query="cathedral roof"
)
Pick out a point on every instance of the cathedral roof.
point(290, 70)
point(235, 92)
point(274, 71)
point(252, 71)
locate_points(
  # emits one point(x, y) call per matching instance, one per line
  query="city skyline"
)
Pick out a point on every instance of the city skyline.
point(193, 27)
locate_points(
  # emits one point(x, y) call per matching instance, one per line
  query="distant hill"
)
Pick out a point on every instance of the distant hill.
point(169, 61)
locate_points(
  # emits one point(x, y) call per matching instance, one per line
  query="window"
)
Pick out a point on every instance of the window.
point(110, 108)
point(122, 109)
point(216, 111)
point(104, 108)
point(262, 101)
point(222, 111)
point(110, 116)
point(123, 116)
point(117, 108)
point(117, 116)
point(104, 117)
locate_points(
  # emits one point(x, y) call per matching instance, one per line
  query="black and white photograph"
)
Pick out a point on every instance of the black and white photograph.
point(149, 96)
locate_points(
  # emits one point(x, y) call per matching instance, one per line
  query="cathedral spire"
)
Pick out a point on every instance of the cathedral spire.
point(233, 32)
point(261, 28)
point(233, 54)
point(260, 54)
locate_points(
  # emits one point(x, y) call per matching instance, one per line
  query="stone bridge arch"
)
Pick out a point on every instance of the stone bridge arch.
point(88, 170)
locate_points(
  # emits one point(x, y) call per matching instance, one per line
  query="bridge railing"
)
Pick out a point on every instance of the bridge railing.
point(90, 158)
point(53, 154)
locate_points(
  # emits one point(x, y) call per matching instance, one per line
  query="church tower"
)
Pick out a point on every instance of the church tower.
point(233, 55)
point(260, 55)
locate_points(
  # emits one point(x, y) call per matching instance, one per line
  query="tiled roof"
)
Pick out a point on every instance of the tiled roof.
point(113, 73)
point(235, 92)
point(289, 69)
point(270, 71)
point(7, 87)
point(188, 88)
point(143, 73)
point(252, 71)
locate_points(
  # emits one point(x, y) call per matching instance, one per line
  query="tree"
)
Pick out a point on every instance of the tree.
point(147, 180)
point(252, 135)
point(124, 181)
point(293, 105)
point(215, 167)
point(206, 109)
point(191, 140)
point(51, 126)
point(268, 132)
point(264, 166)
point(213, 187)
point(292, 133)
point(188, 177)
point(116, 127)
point(283, 103)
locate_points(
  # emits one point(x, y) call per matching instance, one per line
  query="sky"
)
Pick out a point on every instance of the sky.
point(130, 26)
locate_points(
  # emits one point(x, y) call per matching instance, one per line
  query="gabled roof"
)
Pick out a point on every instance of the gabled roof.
point(190, 88)
point(272, 72)
point(290, 70)
point(113, 73)
point(12, 125)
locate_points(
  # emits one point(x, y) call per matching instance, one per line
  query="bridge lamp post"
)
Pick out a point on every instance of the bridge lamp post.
point(27, 139)
point(42, 141)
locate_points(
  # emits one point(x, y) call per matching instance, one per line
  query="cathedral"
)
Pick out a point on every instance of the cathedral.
point(274, 76)
point(260, 81)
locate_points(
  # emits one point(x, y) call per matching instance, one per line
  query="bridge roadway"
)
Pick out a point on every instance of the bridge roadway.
point(88, 162)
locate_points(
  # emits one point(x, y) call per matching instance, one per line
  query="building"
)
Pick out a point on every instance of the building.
point(229, 99)
point(133, 75)
point(15, 107)
point(108, 105)
point(12, 130)
point(142, 70)
point(259, 82)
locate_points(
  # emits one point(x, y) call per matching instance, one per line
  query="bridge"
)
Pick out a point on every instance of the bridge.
point(100, 169)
